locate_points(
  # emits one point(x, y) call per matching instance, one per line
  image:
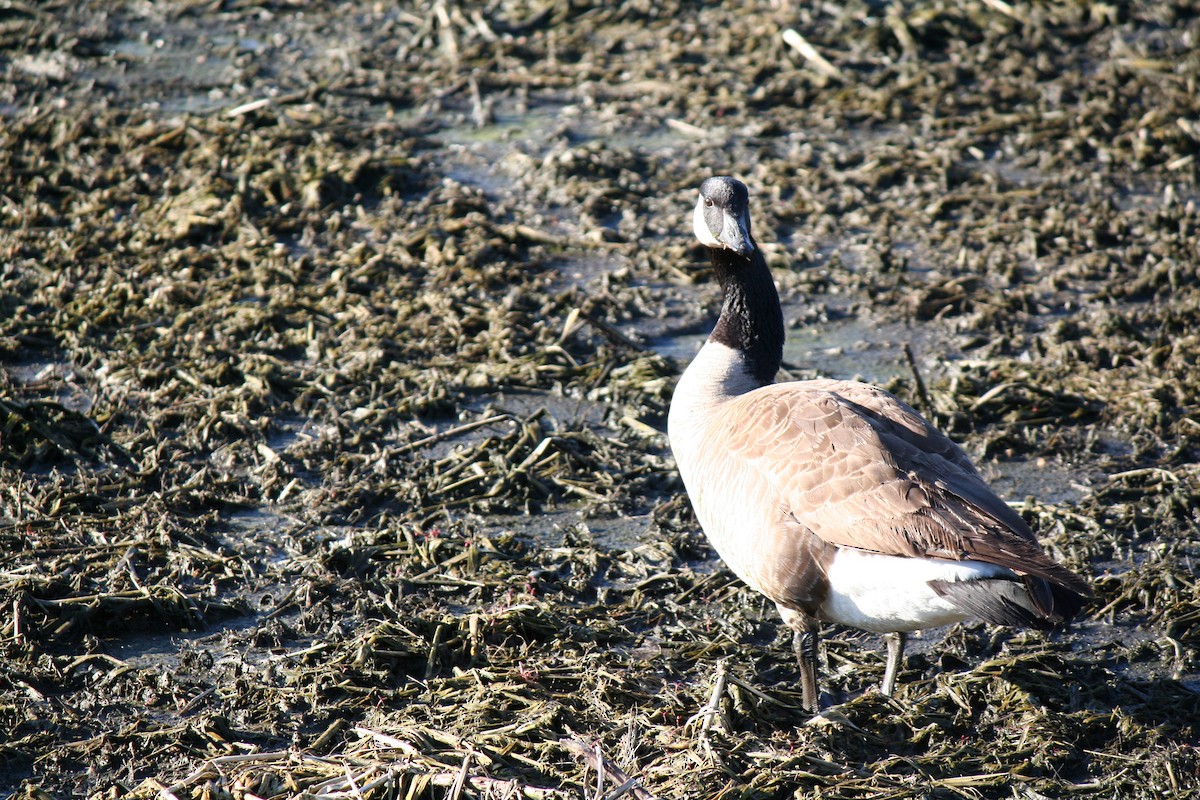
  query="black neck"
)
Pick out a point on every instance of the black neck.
point(751, 319)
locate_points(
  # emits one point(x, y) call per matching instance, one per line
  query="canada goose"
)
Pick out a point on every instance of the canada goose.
point(833, 498)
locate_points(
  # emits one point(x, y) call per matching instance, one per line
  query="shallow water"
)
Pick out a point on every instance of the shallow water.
point(849, 349)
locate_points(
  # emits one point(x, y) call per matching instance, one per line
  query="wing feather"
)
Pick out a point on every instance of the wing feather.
point(857, 467)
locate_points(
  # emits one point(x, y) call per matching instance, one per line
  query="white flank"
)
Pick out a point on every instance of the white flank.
point(882, 593)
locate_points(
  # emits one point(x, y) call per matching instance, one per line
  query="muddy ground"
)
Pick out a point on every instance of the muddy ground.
point(338, 340)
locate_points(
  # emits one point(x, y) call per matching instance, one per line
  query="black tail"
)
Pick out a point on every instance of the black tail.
point(1025, 603)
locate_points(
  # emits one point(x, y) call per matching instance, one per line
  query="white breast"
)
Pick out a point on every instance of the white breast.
point(724, 499)
point(716, 375)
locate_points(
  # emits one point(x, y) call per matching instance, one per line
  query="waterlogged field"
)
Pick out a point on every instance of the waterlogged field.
point(337, 345)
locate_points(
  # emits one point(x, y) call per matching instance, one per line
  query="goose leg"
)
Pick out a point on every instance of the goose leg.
point(804, 643)
point(895, 650)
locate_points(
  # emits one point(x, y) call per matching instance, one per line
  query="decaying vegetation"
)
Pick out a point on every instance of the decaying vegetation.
point(338, 340)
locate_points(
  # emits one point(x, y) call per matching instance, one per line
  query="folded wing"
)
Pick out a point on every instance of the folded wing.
point(856, 467)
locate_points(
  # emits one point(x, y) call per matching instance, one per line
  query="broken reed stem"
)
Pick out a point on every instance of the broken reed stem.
point(461, 777)
point(360, 772)
point(599, 772)
point(450, 433)
point(596, 760)
point(713, 707)
point(620, 790)
point(822, 65)
point(922, 392)
point(1006, 9)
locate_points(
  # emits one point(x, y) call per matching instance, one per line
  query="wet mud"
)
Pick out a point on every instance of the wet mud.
point(337, 345)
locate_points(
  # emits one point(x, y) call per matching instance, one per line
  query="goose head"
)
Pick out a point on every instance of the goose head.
point(722, 216)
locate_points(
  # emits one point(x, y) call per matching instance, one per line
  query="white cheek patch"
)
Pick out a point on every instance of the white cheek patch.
point(705, 236)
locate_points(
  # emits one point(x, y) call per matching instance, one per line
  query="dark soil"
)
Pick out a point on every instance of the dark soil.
point(338, 340)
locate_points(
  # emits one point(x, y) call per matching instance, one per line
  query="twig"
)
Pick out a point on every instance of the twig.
point(247, 108)
point(192, 704)
point(353, 784)
point(446, 35)
point(599, 772)
point(450, 433)
point(215, 763)
point(922, 392)
point(688, 129)
point(596, 760)
point(902, 33)
point(992, 393)
point(760, 694)
point(1180, 660)
point(713, 707)
point(434, 647)
point(316, 648)
point(480, 112)
point(627, 786)
point(237, 111)
point(1005, 8)
point(614, 335)
point(17, 634)
point(1164, 475)
point(323, 741)
point(383, 740)
point(460, 778)
point(797, 42)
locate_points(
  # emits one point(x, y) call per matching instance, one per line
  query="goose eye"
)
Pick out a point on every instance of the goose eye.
point(708, 202)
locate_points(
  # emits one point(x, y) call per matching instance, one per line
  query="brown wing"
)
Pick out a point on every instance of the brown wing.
point(858, 468)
